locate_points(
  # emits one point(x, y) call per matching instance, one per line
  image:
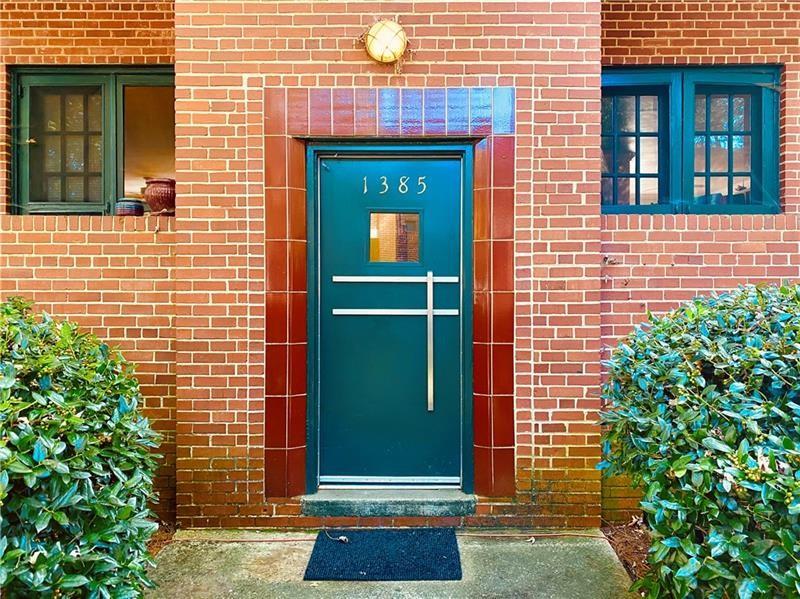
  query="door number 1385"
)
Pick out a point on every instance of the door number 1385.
point(404, 185)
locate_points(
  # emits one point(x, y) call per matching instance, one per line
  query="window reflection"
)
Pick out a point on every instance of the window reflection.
point(631, 149)
point(722, 143)
point(394, 237)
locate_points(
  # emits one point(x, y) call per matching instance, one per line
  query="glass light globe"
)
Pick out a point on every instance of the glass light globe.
point(386, 41)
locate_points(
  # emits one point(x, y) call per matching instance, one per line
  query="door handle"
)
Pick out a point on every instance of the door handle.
point(429, 311)
point(429, 285)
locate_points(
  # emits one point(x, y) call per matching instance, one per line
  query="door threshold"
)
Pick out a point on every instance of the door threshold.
point(388, 502)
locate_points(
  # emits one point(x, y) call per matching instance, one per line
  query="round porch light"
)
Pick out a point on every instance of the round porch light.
point(386, 41)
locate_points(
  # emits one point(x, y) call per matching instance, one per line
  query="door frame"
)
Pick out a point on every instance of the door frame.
point(315, 150)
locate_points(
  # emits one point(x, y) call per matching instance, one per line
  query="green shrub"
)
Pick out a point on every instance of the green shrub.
point(76, 466)
point(703, 413)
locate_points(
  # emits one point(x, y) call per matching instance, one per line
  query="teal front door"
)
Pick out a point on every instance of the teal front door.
point(392, 347)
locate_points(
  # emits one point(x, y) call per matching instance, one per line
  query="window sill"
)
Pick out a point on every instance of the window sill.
point(729, 210)
point(77, 210)
point(703, 224)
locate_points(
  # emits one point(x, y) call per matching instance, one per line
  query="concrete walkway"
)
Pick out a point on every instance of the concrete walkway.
point(215, 564)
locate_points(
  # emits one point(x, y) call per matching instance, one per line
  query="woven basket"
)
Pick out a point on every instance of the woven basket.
point(129, 207)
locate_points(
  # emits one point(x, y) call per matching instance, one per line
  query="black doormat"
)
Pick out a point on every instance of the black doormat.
point(385, 554)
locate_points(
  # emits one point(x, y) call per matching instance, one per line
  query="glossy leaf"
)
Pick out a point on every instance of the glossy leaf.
point(69, 433)
point(703, 415)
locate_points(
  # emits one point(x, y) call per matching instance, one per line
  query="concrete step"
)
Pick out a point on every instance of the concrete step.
point(388, 502)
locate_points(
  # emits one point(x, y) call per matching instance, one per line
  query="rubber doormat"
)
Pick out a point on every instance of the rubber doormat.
point(385, 554)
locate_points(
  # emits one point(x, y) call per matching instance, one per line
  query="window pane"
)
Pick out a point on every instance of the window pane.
point(52, 153)
point(95, 189)
point(648, 158)
point(718, 190)
point(95, 154)
point(607, 158)
point(741, 153)
point(74, 153)
point(73, 116)
point(95, 113)
point(53, 189)
point(719, 153)
point(719, 113)
point(741, 190)
point(700, 153)
point(626, 191)
point(699, 113)
point(648, 114)
point(606, 113)
point(394, 237)
point(626, 113)
point(149, 115)
point(626, 155)
point(699, 189)
point(51, 114)
point(607, 190)
point(60, 121)
point(648, 190)
point(741, 113)
point(75, 189)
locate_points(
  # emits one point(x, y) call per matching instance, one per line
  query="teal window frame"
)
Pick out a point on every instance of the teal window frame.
point(679, 86)
point(112, 81)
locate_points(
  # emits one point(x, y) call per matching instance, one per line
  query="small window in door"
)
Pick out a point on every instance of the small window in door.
point(394, 237)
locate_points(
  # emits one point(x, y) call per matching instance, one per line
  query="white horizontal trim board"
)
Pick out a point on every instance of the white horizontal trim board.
point(393, 312)
point(390, 279)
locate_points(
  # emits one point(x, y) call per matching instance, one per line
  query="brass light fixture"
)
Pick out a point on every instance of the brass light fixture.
point(386, 41)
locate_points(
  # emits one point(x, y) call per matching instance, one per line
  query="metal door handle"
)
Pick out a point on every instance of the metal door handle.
point(429, 311)
point(429, 285)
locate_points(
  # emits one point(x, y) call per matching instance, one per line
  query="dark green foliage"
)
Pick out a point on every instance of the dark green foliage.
point(76, 465)
point(703, 412)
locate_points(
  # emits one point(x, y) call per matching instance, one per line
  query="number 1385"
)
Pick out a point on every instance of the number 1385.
point(403, 185)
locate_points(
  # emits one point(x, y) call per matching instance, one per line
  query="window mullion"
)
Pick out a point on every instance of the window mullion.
point(85, 147)
point(116, 157)
point(686, 116)
point(731, 168)
point(62, 143)
point(707, 134)
point(614, 144)
point(109, 144)
point(637, 125)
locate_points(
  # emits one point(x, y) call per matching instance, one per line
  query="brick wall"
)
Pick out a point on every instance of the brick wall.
point(112, 275)
point(227, 54)
point(653, 262)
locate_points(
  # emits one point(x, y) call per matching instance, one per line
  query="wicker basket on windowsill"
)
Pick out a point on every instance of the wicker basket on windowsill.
point(160, 195)
point(129, 207)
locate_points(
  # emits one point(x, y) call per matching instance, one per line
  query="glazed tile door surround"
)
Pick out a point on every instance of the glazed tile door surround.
point(486, 114)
